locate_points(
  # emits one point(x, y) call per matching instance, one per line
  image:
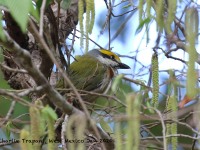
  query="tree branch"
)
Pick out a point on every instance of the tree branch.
point(24, 59)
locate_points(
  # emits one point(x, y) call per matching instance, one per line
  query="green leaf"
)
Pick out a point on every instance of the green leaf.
point(3, 2)
point(141, 25)
point(49, 112)
point(105, 126)
point(34, 13)
point(2, 36)
point(39, 4)
point(127, 6)
point(8, 127)
point(66, 4)
point(149, 106)
point(19, 10)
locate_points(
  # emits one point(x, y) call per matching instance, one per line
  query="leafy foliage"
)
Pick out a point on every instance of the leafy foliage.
point(89, 21)
point(20, 11)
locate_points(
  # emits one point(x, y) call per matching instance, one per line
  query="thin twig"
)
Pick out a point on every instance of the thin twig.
point(63, 131)
point(172, 135)
point(15, 97)
point(134, 9)
point(109, 19)
point(94, 93)
point(121, 27)
point(163, 129)
point(12, 69)
point(52, 57)
point(8, 115)
point(137, 82)
point(25, 92)
point(42, 9)
point(90, 40)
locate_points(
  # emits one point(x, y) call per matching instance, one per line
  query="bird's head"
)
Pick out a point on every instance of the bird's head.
point(108, 58)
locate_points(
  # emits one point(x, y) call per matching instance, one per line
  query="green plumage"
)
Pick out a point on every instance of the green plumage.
point(87, 73)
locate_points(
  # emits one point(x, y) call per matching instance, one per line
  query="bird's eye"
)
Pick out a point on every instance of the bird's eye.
point(112, 57)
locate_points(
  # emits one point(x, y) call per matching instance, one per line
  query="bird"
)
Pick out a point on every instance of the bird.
point(93, 72)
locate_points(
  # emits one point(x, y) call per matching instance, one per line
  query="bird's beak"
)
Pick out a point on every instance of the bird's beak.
point(123, 66)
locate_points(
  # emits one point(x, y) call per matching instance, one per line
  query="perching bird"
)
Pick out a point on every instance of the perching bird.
point(93, 72)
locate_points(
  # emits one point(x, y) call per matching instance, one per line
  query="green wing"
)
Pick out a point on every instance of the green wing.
point(87, 73)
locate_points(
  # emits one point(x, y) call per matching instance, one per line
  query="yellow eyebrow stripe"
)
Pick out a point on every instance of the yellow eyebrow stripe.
point(109, 53)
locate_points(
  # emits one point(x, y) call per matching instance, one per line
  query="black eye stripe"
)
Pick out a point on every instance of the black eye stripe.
point(112, 57)
point(104, 55)
point(109, 56)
